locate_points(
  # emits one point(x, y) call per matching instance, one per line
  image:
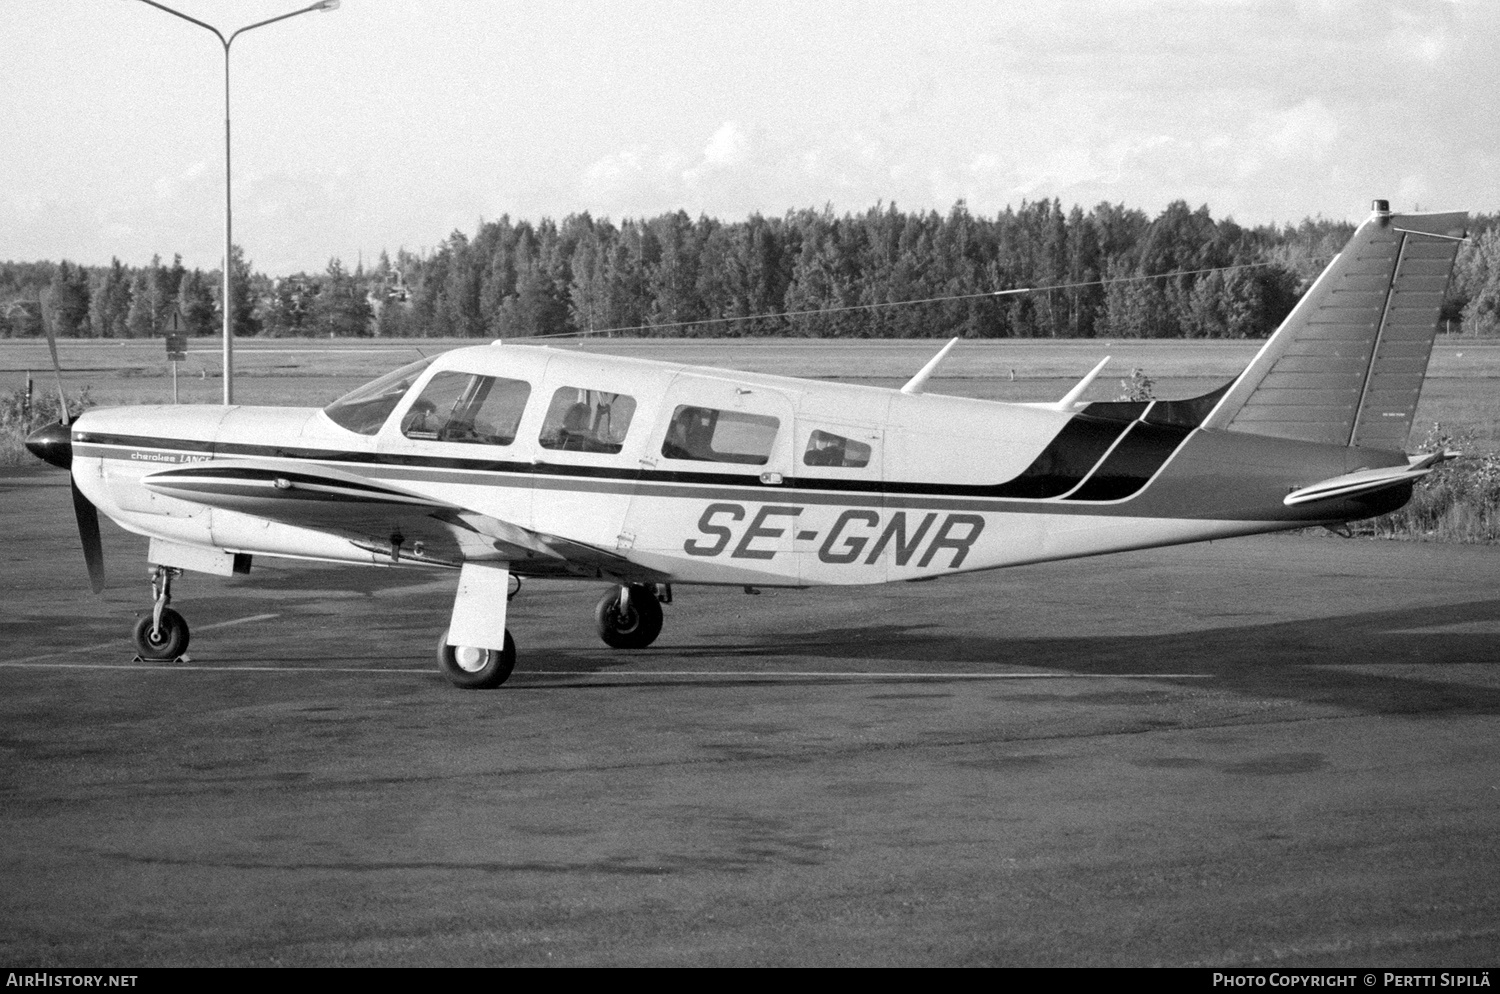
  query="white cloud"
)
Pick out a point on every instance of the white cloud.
point(1282, 143)
point(1422, 37)
point(614, 169)
point(642, 180)
point(728, 147)
point(812, 163)
point(170, 187)
point(1415, 192)
point(1308, 130)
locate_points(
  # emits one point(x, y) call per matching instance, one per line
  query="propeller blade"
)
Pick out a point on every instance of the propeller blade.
point(62, 398)
point(54, 443)
point(88, 534)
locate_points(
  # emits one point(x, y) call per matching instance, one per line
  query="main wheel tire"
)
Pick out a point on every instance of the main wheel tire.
point(167, 642)
point(475, 668)
point(634, 628)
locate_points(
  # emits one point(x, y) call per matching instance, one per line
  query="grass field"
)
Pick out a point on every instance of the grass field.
point(1461, 394)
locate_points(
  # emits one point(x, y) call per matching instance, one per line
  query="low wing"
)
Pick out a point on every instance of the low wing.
point(381, 518)
point(1367, 481)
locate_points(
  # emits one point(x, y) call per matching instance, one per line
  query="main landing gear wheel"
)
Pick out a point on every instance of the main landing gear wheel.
point(167, 640)
point(473, 667)
point(629, 617)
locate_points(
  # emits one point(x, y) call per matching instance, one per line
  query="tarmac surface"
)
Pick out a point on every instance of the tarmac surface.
point(1280, 750)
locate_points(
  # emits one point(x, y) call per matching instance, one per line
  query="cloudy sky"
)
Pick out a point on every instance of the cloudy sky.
point(390, 123)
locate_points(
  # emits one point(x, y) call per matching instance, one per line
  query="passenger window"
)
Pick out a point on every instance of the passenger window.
point(463, 407)
point(710, 435)
point(827, 449)
point(582, 420)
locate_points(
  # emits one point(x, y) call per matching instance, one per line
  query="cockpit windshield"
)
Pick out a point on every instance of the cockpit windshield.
point(365, 409)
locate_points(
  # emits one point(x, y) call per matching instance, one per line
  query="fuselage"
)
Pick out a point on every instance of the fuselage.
point(696, 475)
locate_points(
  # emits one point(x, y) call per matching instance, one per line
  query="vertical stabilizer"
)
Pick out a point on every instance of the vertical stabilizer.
point(1346, 366)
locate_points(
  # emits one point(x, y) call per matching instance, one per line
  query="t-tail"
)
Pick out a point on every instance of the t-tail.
point(1346, 366)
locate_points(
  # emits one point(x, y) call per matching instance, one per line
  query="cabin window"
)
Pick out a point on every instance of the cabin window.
point(710, 435)
point(365, 409)
point(581, 420)
point(824, 448)
point(463, 407)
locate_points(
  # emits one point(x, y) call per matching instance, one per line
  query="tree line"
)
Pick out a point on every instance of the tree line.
point(119, 301)
point(1113, 271)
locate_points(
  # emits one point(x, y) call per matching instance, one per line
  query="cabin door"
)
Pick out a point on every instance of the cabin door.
point(714, 500)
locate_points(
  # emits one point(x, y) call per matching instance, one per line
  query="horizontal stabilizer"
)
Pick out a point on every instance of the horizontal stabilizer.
point(1367, 481)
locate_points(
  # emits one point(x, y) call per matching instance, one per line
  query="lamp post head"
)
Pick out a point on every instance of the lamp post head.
point(328, 5)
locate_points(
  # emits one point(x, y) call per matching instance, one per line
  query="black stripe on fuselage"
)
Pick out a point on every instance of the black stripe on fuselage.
point(1066, 461)
point(279, 484)
point(1061, 467)
point(242, 474)
point(1144, 450)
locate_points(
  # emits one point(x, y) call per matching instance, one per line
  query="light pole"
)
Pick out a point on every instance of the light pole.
point(228, 209)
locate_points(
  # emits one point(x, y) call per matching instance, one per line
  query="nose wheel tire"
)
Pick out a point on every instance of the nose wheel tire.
point(474, 667)
point(168, 641)
point(633, 624)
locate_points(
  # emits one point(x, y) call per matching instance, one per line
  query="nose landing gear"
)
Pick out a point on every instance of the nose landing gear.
point(473, 667)
point(162, 634)
point(477, 652)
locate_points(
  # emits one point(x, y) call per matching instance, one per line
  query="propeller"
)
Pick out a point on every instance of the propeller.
point(53, 443)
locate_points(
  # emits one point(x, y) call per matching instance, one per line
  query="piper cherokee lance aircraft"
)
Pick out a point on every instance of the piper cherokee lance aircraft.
point(500, 459)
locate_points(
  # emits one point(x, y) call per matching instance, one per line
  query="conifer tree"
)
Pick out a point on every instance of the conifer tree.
point(66, 304)
point(243, 318)
point(139, 322)
point(1479, 279)
point(109, 307)
point(197, 305)
point(341, 307)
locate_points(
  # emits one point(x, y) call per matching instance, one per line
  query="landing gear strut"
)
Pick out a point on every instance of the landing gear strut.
point(629, 617)
point(162, 634)
point(477, 652)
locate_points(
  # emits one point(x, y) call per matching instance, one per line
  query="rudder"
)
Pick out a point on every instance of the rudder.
point(1346, 366)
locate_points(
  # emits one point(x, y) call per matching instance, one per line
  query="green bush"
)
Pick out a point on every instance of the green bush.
point(1457, 502)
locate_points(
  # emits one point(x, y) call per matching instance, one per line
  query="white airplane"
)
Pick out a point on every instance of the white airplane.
point(503, 461)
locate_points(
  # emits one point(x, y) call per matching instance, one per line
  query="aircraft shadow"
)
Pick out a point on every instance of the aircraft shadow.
point(1317, 661)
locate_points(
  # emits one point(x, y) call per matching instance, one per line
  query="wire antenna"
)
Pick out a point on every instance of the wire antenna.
point(847, 308)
